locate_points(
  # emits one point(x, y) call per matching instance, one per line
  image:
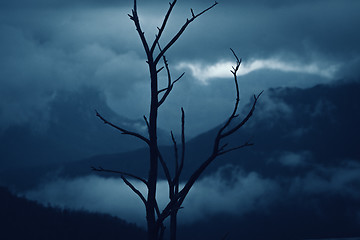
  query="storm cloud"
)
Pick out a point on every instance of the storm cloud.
point(48, 46)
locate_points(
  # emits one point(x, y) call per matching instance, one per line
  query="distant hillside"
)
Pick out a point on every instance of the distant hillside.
point(318, 125)
point(67, 130)
point(23, 219)
point(305, 163)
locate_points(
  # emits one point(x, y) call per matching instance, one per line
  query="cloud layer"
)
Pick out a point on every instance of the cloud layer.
point(228, 191)
point(237, 193)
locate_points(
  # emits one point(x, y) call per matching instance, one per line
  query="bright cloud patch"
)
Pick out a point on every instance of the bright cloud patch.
point(221, 69)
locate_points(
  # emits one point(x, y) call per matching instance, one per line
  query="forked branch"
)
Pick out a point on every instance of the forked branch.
point(246, 144)
point(248, 116)
point(135, 18)
point(218, 150)
point(161, 29)
point(180, 32)
point(170, 82)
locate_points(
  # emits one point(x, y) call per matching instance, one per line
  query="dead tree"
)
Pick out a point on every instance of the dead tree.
point(155, 217)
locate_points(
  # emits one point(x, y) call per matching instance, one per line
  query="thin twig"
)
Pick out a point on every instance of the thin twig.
point(134, 17)
point(237, 100)
point(235, 148)
point(170, 83)
point(180, 168)
point(168, 89)
point(223, 147)
point(161, 29)
point(147, 123)
point(100, 169)
point(180, 32)
point(159, 70)
point(123, 130)
point(248, 116)
point(175, 153)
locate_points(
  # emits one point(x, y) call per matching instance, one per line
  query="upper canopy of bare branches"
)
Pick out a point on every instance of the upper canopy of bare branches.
point(155, 217)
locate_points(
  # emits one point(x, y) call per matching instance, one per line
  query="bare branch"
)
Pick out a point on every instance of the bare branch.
point(180, 32)
point(178, 79)
point(161, 29)
point(162, 90)
point(100, 169)
point(123, 131)
point(168, 89)
point(178, 173)
point(182, 139)
point(159, 70)
point(237, 100)
point(147, 122)
point(132, 187)
point(170, 83)
point(134, 17)
point(192, 12)
point(248, 116)
point(238, 61)
point(221, 152)
point(168, 76)
point(201, 13)
point(157, 208)
point(174, 203)
point(193, 178)
point(180, 196)
point(167, 174)
point(175, 153)
point(223, 147)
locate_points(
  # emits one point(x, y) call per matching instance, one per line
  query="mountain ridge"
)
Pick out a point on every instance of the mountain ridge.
point(317, 125)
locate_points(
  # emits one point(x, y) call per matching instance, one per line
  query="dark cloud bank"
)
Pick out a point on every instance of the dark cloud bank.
point(51, 46)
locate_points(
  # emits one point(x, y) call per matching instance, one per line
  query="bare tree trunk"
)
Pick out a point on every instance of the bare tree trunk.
point(173, 224)
point(153, 170)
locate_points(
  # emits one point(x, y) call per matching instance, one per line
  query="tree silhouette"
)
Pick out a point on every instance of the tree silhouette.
point(155, 217)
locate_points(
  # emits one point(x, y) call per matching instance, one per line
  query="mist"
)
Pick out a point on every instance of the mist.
point(229, 191)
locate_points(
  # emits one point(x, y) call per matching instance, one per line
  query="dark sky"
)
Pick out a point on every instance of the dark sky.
point(48, 46)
